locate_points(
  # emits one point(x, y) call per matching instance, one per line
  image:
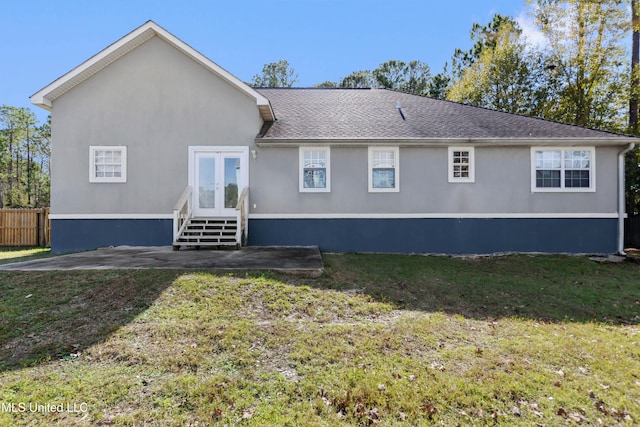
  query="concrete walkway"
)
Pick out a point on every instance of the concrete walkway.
point(288, 259)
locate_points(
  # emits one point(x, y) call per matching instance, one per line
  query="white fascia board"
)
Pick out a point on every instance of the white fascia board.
point(597, 215)
point(45, 96)
point(110, 216)
point(432, 215)
point(77, 75)
point(443, 142)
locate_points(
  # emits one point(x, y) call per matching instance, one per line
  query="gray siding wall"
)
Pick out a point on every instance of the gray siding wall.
point(157, 102)
point(502, 184)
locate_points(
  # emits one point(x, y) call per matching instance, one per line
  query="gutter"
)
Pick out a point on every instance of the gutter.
point(621, 198)
point(261, 141)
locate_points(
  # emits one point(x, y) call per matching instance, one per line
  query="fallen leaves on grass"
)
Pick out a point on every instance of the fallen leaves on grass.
point(429, 408)
point(577, 415)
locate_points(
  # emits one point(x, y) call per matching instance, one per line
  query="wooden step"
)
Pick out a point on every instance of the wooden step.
point(208, 232)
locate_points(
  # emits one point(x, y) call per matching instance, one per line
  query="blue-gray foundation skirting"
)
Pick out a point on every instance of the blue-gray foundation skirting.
point(433, 235)
point(72, 235)
point(441, 235)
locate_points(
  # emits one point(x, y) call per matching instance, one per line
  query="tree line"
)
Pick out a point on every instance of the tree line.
point(579, 73)
point(24, 159)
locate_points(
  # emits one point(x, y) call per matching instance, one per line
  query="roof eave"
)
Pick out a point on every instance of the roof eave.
point(41, 102)
point(366, 141)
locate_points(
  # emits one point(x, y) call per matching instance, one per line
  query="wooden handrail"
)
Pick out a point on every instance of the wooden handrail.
point(183, 198)
point(242, 198)
point(182, 212)
point(241, 216)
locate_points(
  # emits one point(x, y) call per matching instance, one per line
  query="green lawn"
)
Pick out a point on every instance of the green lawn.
point(8, 255)
point(376, 340)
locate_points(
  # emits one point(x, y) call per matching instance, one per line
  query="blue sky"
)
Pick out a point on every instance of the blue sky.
point(40, 40)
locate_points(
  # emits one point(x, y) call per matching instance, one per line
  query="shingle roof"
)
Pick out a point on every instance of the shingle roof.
point(373, 114)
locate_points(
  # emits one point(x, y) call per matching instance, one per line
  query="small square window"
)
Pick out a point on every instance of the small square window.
point(461, 164)
point(383, 169)
point(107, 164)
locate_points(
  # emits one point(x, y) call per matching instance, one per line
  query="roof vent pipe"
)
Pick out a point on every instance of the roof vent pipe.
point(399, 107)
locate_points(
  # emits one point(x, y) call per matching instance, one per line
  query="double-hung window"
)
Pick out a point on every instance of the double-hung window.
point(461, 164)
point(315, 169)
point(108, 164)
point(383, 169)
point(560, 169)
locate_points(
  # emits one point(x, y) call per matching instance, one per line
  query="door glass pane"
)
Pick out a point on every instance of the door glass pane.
point(231, 181)
point(207, 182)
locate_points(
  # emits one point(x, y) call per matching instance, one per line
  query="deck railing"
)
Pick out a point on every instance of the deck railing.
point(242, 210)
point(182, 212)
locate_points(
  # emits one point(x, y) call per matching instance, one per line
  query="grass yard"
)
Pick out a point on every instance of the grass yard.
point(8, 255)
point(377, 340)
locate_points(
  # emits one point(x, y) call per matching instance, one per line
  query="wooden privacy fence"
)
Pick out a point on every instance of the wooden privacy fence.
point(24, 227)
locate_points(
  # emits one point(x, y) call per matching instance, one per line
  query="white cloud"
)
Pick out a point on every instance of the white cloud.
point(531, 33)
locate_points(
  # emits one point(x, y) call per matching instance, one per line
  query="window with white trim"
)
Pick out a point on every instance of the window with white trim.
point(461, 164)
point(384, 169)
point(559, 169)
point(315, 170)
point(108, 164)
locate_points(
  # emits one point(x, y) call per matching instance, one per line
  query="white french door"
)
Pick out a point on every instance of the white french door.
point(217, 176)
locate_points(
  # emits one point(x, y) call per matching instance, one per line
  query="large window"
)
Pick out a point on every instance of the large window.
point(108, 164)
point(559, 169)
point(315, 171)
point(461, 164)
point(383, 169)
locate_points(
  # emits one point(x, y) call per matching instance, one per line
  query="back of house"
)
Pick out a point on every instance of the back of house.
point(155, 144)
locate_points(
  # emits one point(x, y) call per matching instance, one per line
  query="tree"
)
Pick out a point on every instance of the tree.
point(24, 159)
point(499, 73)
point(28, 123)
point(412, 77)
point(586, 60)
point(10, 123)
point(42, 170)
point(635, 76)
point(326, 84)
point(484, 37)
point(417, 78)
point(632, 159)
point(390, 74)
point(276, 74)
point(358, 79)
point(497, 48)
point(439, 84)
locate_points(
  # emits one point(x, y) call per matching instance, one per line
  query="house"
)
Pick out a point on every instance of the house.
point(155, 144)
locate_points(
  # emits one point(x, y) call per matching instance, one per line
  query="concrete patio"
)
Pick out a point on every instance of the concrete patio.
point(288, 259)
